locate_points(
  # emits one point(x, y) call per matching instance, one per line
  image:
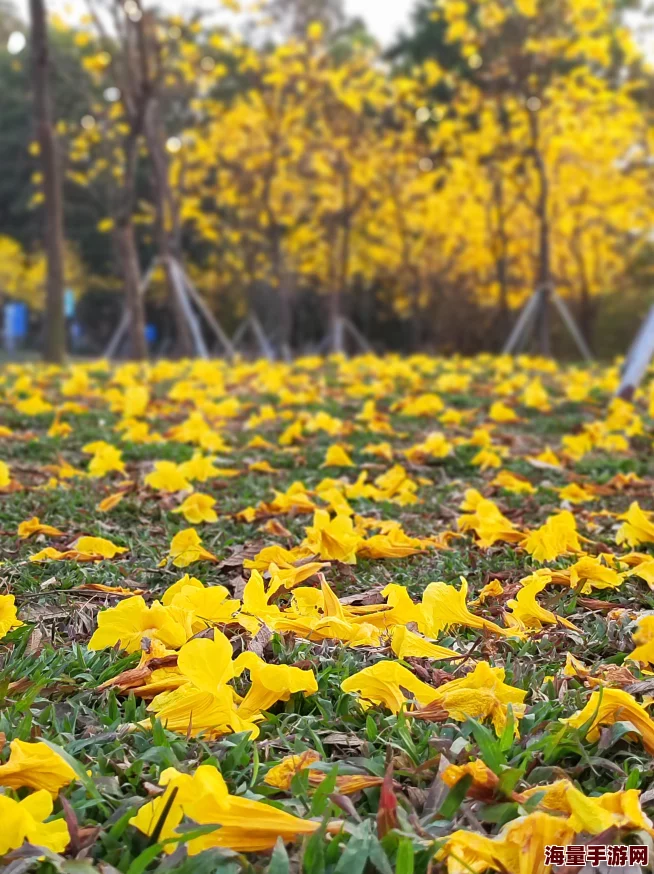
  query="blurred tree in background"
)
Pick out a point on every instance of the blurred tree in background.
point(320, 190)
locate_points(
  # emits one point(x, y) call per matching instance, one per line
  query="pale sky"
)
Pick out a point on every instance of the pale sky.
point(383, 17)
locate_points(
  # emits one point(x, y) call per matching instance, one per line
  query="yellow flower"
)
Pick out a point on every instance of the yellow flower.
point(98, 546)
point(557, 536)
point(201, 468)
point(576, 446)
point(281, 776)
point(25, 821)
point(483, 778)
point(33, 406)
point(535, 396)
point(105, 459)
point(337, 457)
point(178, 587)
point(241, 824)
point(493, 589)
point(594, 574)
point(638, 527)
point(546, 458)
point(394, 544)
point(407, 644)
point(167, 477)
point(487, 458)
point(5, 475)
point(500, 413)
point(482, 694)
point(332, 539)
point(198, 508)
point(59, 429)
point(111, 501)
point(644, 638)
point(486, 520)
point(519, 486)
point(467, 852)
point(576, 494)
point(132, 621)
point(608, 706)
point(592, 815)
point(444, 606)
point(186, 548)
point(528, 612)
point(208, 605)
point(384, 682)
point(8, 614)
point(270, 684)
point(37, 766)
point(34, 526)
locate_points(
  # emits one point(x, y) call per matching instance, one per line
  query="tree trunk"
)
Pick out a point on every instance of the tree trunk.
point(587, 315)
point(337, 340)
point(129, 263)
point(55, 325)
point(544, 272)
point(167, 224)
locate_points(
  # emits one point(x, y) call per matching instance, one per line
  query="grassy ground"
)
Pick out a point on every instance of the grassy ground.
point(49, 678)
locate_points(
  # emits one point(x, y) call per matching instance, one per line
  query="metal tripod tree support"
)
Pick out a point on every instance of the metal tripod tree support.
point(188, 296)
point(252, 323)
point(638, 359)
point(532, 314)
point(335, 339)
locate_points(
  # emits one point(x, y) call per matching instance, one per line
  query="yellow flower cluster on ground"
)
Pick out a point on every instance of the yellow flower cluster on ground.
point(373, 606)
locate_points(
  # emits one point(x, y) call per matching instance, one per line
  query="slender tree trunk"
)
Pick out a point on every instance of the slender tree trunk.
point(502, 320)
point(544, 272)
point(168, 225)
point(587, 316)
point(127, 249)
point(337, 341)
point(342, 273)
point(55, 327)
point(130, 268)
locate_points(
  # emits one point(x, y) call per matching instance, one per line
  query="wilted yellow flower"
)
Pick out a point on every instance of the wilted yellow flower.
point(198, 508)
point(37, 766)
point(241, 824)
point(5, 475)
point(528, 613)
point(607, 706)
point(337, 457)
point(186, 548)
point(557, 536)
point(33, 526)
point(638, 527)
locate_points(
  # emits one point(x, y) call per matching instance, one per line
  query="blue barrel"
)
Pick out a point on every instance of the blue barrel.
point(16, 318)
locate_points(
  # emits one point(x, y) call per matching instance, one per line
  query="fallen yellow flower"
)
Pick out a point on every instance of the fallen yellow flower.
point(132, 621)
point(33, 526)
point(186, 548)
point(241, 824)
point(8, 614)
point(26, 821)
point(36, 766)
point(556, 537)
point(638, 527)
point(608, 706)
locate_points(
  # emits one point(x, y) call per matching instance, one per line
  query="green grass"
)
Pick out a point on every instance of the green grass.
point(49, 679)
